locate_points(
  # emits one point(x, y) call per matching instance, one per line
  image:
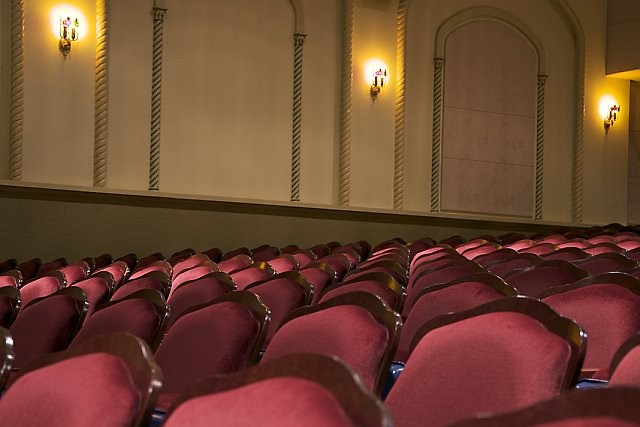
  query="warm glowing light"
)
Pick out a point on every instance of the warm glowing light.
point(62, 11)
point(604, 106)
point(370, 68)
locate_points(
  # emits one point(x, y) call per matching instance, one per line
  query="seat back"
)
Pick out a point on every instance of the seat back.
point(606, 262)
point(198, 291)
point(497, 357)
point(299, 389)
point(358, 327)
point(596, 407)
point(143, 314)
point(97, 289)
point(451, 297)
point(607, 306)
point(219, 337)
point(42, 286)
point(625, 364)
point(11, 278)
point(109, 381)
point(282, 293)
point(533, 280)
point(321, 276)
point(377, 283)
point(48, 324)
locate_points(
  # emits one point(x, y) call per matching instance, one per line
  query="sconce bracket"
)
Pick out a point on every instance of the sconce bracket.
point(65, 46)
point(375, 90)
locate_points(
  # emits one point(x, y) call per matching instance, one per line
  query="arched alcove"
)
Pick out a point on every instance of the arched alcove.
point(489, 120)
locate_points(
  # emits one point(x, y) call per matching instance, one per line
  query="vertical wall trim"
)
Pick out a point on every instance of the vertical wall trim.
point(101, 113)
point(539, 147)
point(436, 136)
point(573, 23)
point(298, 42)
point(398, 167)
point(17, 90)
point(345, 105)
point(156, 98)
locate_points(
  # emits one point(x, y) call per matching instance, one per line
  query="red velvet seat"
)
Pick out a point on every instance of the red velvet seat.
point(533, 280)
point(376, 283)
point(567, 254)
point(625, 364)
point(308, 390)
point(358, 327)
point(42, 286)
point(110, 381)
point(613, 407)
point(389, 267)
point(500, 356)
point(188, 263)
point(193, 273)
point(283, 263)
point(198, 291)
point(118, 269)
point(218, 337)
point(498, 255)
point(606, 262)
point(457, 295)
point(29, 269)
point(282, 293)
point(75, 272)
point(607, 306)
point(254, 273)
point(237, 262)
point(321, 276)
point(304, 257)
point(143, 314)
point(503, 267)
point(11, 278)
point(48, 324)
point(97, 289)
point(154, 279)
point(161, 265)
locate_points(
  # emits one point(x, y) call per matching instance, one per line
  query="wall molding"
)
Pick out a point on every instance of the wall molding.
point(401, 51)
point(16, 103)
point(156, 98)
point(101, 113)
point(344, 161)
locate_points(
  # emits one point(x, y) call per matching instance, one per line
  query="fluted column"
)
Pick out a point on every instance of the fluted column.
point(101, 111)
point(156, 98)
point(16, 103)
point(298, 42)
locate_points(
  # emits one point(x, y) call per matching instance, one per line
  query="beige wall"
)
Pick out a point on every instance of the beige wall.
point(227, 98)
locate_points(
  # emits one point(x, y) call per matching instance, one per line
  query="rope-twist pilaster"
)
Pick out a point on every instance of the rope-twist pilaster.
point(156, 98)
point(345, 105)
point(298, 42)
point(101, 96)
point(398, 166)
point(436, 136)
point(539, 147)
point(578, 144)
point(16, 103)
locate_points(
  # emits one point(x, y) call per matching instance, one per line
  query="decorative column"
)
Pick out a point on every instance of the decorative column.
point(398, 166)
point(101, 112)
point(539, 147)
point(17, 90)
point(156, 98)
point(298, 42)
point(436, 136)
point(345, 105)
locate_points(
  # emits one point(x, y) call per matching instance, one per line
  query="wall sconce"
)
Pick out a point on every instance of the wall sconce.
point(611, 117)
point(378, 80)
point(69, 32)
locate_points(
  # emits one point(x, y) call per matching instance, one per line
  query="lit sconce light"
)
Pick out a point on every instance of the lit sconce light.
point(611, 117)
point(69, 32)
point(378, 80)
